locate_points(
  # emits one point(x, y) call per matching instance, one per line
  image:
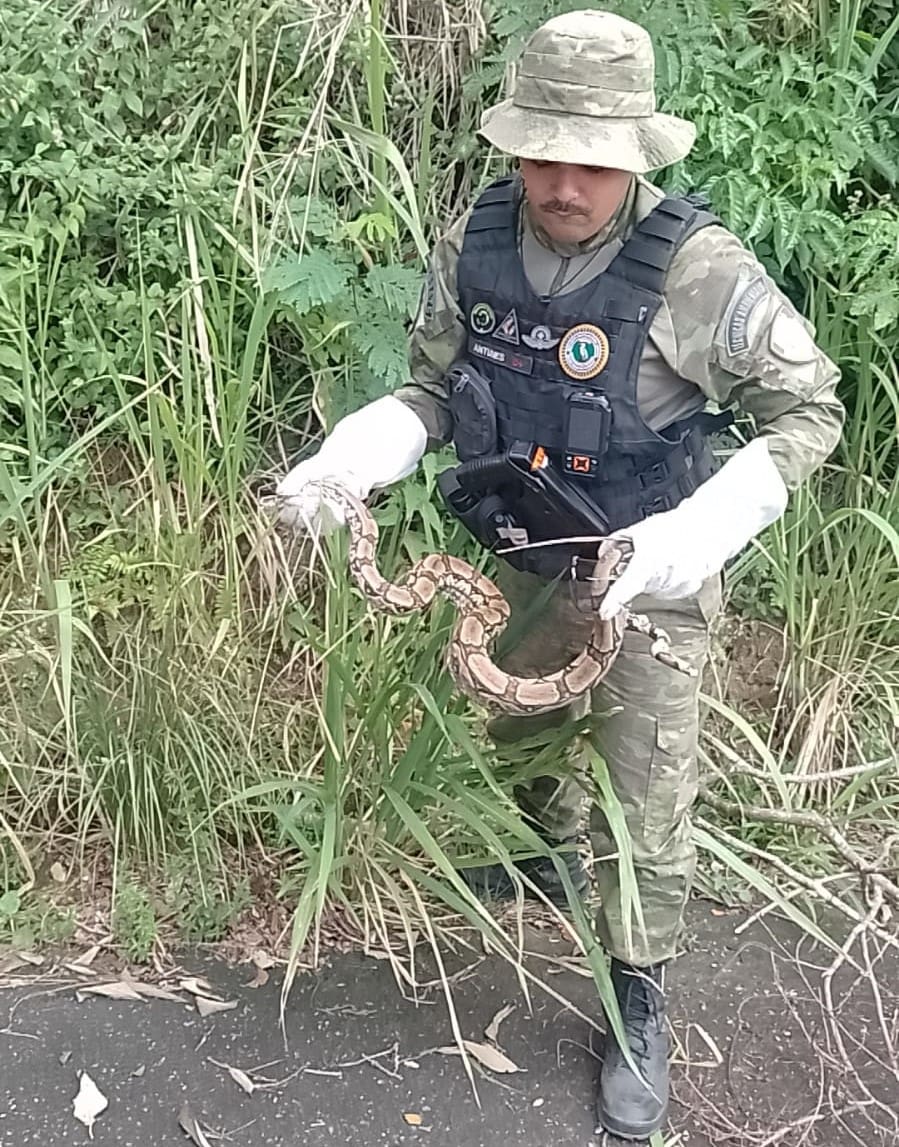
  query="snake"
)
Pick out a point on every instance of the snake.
point(483, 614)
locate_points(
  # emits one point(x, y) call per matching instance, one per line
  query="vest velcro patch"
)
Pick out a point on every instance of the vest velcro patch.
point(507, 331)
point(522, 363)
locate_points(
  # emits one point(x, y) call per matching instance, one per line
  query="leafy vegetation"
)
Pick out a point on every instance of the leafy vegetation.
point(213, 221)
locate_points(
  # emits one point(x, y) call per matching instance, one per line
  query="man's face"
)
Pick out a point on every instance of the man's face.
point(572, 201)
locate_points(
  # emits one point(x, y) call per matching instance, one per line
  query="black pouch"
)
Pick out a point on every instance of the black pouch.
point(473, 409)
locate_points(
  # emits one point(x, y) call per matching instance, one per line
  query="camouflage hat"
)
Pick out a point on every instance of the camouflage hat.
point(585, 93)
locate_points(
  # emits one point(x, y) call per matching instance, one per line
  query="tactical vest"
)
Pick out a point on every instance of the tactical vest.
point(540, 354)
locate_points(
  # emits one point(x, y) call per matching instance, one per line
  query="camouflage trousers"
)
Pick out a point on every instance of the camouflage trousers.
point(648, 741)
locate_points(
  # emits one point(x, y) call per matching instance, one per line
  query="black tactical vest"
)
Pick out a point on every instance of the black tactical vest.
point(537, 352)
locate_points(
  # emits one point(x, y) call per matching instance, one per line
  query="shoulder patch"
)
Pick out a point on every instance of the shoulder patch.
point(739, 312)
point(789, 339)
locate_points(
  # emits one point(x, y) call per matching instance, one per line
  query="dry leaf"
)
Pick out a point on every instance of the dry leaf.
point(78, 970)
point(11, 963)
point(242, 1080)
point(259, 980)
point(58, 873)
point(89, 1103)
point(87, 958)
point(31, 958)
point(191, 1127)
point(116, 991)
point(263, 960)
point(490, 1057)
point(154, 992)
point(412, 1119)
point(212, 1007)
point(492, 1032)
point(198, 987)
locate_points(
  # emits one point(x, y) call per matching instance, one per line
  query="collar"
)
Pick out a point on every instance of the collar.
point(620, 223)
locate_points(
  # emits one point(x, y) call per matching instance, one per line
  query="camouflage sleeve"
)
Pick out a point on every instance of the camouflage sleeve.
point(437, 338)
point(739, 339)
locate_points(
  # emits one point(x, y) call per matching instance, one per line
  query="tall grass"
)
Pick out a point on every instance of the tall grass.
point(181, 681)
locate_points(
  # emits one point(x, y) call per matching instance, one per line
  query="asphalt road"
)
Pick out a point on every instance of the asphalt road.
point(356, 1064)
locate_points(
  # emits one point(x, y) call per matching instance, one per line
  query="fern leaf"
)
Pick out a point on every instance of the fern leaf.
point(383, 344)
point(398, 287)
point(314, 279)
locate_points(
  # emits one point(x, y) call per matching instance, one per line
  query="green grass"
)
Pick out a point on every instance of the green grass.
point(186, 691)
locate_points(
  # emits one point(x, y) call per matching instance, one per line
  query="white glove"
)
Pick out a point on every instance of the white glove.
point(675, 551)
point(374, 446)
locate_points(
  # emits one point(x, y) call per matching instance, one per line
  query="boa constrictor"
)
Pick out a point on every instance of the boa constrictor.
point(484, 613)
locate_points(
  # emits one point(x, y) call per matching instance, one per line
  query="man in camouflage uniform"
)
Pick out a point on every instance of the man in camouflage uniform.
point(583, 127)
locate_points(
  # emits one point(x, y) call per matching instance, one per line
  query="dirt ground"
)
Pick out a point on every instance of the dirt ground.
point(761, 1059)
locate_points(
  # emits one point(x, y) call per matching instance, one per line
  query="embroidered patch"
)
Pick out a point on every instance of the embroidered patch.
point(507, 331)
point(522, 363)
point(584, 351)
point(736, 331)
point(540, 338)
point(789, 338)
point(482, 319)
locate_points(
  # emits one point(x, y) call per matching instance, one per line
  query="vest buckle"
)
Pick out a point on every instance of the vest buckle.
point(657, 505)
point(655, 475)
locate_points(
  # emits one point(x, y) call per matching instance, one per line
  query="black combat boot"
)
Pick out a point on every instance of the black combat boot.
point(626, 1107)
point(493, 882)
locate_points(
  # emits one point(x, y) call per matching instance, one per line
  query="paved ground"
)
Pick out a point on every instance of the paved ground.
point(757, 1064)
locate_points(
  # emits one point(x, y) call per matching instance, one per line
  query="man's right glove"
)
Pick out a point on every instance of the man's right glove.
point(373, 447)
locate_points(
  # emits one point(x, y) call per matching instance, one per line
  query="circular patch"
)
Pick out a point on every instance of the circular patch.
point(584, 351)
point(482, 318)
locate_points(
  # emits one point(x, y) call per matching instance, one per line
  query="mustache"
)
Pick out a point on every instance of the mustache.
point(559, 207)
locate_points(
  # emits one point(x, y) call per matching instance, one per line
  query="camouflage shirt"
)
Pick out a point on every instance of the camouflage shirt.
point(725, 333)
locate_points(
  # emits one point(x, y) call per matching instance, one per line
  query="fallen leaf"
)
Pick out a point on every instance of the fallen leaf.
point(191, 1128)
point(486, 1054)
point(242, 1080)
point(412, 1118)
point(198, 987)
point(65, 1057)
point(58, 873)
point(89, 1103)
point(138, 1072)
point(87, 958)
point(78, 970)
point(116, 991)
point(263, 960)
point(212, 1007)
point(492, 1032)
point(490, 1057)
point(154, 992)
point(11, 963)
point(259, 980)
point(538, 1103)
point(31, 958)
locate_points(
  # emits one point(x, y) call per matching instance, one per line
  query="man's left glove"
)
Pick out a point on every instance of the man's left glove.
point(675, 551)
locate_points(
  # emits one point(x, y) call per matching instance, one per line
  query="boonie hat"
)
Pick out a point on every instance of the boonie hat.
point(585, 93)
